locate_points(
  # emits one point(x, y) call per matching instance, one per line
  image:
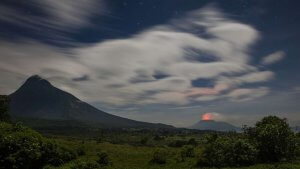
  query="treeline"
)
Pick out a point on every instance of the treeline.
point(271, 140)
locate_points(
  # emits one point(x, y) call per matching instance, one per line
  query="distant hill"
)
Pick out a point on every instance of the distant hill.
point(37, 98)
point(214, 125)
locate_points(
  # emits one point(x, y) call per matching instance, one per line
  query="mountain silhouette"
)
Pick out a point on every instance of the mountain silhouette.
point(37, 98)
point(214, 125)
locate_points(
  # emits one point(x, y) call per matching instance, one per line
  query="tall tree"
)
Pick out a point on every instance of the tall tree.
point(274, 138)
point(4, 108)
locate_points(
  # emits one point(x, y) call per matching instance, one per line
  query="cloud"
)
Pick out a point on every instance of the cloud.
point(123, 71)
point(244, 94)
point(82, 78)
point(273, 58)
point(51, 19)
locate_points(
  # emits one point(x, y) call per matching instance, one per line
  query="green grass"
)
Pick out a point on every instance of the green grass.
point(124, 156)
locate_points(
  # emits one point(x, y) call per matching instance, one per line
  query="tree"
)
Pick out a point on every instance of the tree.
point(274, 139)
point(4, 108)
point(22, 147)
point(224, 151)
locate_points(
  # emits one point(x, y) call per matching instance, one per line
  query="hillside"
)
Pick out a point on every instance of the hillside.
point(37, 98)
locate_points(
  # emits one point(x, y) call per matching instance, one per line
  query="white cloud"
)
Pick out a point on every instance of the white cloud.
point(123, 71)
point(245, 94)
point(273, 58)
point(250, 77)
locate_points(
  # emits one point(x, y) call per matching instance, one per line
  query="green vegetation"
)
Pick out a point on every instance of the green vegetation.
point(270, 144)
point(274, 139)
point(4, 108)
point(223, 151)
point(24, 148)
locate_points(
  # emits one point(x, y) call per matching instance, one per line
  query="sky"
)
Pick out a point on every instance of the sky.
point(167, 61)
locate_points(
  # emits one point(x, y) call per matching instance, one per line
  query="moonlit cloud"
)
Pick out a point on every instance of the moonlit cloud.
point(155, 66)
point(52, 19)
point(247, 94)
point(273, 58)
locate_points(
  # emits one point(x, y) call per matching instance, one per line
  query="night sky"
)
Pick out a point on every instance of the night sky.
point(168, 61)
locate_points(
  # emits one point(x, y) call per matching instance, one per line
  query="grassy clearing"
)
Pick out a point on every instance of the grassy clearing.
point(138, 157)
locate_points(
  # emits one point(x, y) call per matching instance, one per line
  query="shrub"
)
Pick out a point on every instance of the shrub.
point(144, 140)
point(158, 138)
point(228, 151)
point(24, 148)
point(80, 151)
point(85, 164)
point(19, 147)
point(159, 157)
point(56, 154)
point(192, 141)
point(187, 152)
point(275, 140)
point(103, 159)
point(177, 143)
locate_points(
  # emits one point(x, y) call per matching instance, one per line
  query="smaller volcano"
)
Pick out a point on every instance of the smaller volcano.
point(207, 123)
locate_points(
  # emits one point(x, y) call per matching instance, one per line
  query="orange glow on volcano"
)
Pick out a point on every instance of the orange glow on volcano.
point(207, 116)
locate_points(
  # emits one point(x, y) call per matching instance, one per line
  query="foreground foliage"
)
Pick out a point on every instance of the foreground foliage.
point(271, 140)
point(222, 151)
point(24, 148)
point(274, 139)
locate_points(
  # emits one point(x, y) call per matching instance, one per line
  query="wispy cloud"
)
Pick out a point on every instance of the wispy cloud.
point(273, 58)
point(51, 19)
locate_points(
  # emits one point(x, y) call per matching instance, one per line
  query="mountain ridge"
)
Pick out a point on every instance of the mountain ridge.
point(38, 98)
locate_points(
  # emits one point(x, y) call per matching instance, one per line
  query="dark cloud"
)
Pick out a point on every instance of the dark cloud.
point(81, 78)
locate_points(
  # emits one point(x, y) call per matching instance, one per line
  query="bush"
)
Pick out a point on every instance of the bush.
point(177, 143)
point(24, 148)
point(19, 147)
point(56, 154)
point(103, 159)
point(159, 157)
point(80, 151)
point(228, 151)
point(144, 140)
point(187, 152)
point(274, 139)
point(84, 164)
point(192, 141)
point(158, 138)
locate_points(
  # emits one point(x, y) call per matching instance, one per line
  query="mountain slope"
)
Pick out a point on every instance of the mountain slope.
point(37, 98)
point(214, 125)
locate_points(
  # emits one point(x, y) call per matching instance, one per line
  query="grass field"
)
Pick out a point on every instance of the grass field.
point(124, 156)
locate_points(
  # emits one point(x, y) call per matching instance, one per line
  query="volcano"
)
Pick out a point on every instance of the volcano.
point(214, 126)
point(37, 98)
